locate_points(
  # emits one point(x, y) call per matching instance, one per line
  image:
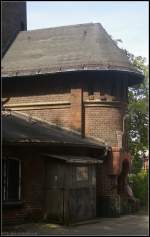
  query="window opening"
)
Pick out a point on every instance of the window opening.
point(11, 190)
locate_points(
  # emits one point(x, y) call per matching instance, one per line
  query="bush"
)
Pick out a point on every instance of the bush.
point(140, 186)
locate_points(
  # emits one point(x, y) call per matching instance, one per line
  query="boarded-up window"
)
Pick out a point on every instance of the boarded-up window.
point(11, 175)
point(82, 173)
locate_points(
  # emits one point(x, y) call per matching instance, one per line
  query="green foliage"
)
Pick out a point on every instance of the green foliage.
point(140, 186)
point(138, 107)
point(136, 162)
point(138, 115)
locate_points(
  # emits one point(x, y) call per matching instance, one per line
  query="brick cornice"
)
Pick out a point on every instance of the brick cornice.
point(37, 105)
point(98, 103)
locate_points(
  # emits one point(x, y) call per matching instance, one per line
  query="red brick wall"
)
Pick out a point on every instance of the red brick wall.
point(105, 178)
point(97, 118)
point(52, 97)
point(51, 111)
point(103, 122)
point(13, 216)
point(76, 109)
point(60, 117)
point(32, 193)
point(100, 121)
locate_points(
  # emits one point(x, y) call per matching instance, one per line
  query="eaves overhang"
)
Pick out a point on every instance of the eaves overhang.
point(134, 76)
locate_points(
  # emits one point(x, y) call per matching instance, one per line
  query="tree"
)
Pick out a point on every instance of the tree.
point(137, 130)
point(138, 115)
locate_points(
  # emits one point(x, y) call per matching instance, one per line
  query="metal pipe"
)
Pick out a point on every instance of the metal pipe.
point(124, 117)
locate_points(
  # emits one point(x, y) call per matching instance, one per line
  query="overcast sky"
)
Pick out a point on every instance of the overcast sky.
point(126, 20)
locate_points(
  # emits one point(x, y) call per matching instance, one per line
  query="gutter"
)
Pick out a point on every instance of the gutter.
point(76, 68)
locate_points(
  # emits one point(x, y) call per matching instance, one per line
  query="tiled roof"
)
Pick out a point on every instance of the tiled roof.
point(61, 49)
point(20, 128)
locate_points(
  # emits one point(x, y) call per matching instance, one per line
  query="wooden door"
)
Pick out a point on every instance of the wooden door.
point(55, 191)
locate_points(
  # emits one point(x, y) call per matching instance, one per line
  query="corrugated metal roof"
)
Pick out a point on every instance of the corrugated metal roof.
point(61, 49)
point(20, 128)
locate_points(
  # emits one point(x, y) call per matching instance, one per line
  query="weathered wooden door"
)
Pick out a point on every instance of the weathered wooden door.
point(55, 191)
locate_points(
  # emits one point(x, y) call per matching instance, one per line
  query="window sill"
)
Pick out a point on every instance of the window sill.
point(11, 204)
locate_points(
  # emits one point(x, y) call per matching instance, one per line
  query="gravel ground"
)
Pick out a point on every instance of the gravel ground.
point(129, 225)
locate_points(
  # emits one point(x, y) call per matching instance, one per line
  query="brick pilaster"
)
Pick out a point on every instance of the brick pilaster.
point(76, 109)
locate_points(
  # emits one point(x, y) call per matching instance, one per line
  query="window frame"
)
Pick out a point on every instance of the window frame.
point(5, 190)
point(77, 173)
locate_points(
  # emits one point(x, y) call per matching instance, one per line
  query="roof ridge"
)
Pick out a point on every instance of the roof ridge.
point(64, 26)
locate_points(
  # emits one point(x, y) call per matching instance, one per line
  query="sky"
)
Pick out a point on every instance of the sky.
point(125, 20)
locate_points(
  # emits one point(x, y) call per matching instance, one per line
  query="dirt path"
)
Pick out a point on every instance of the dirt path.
point(130, 225)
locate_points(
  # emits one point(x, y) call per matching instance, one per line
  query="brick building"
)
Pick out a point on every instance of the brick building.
point(76, 78)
